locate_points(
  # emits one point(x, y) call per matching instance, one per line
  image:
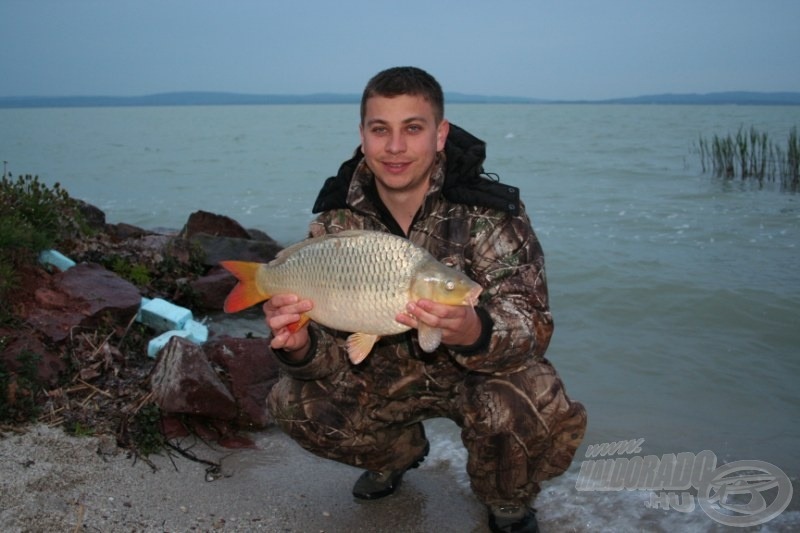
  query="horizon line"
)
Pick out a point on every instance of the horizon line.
point(198, 97)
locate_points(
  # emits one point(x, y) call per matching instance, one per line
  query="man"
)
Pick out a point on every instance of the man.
point(418, 176)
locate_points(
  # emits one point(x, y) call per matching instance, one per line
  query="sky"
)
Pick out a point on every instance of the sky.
point(558, 49)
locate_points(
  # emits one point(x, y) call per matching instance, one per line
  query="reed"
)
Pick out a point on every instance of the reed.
point(752, 155)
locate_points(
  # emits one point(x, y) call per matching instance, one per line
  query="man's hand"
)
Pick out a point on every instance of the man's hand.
point(282, 311)
point(460, 324)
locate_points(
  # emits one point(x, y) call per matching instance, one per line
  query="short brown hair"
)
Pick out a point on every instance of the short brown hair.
point(397, 81)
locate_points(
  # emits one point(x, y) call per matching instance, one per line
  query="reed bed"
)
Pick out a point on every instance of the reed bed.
point(752, 155)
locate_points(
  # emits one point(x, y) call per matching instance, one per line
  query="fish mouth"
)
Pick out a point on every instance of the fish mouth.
point(471, 298)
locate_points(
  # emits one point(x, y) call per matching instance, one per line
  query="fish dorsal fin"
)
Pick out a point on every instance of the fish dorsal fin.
point(429, 338)
point(284, 253)
point(292, 249)
point(359, 345)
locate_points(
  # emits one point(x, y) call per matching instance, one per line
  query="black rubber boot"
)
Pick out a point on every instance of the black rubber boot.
point(512, 519)
point(374, 485)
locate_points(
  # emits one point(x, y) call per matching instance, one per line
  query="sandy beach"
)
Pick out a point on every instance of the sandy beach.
point(50, 481)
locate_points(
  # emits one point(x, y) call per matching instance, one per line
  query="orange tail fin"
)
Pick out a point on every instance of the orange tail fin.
point(246, 293)
point(295, 326)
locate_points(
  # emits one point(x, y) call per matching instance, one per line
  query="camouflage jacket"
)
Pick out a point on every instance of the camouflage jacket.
point(468, 221)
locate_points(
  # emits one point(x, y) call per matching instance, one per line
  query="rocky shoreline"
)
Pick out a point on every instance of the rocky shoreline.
point(78, 356)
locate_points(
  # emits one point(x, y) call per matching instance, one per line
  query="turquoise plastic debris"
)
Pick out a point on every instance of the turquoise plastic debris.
point(198, 332)
point(172, 320)
point(155, 345)
point(162, 315)
point(55, 259)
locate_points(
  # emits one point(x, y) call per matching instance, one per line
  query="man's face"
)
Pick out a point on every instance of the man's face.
point(400, 138)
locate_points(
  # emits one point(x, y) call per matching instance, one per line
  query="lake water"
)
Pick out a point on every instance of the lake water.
point(676, 296)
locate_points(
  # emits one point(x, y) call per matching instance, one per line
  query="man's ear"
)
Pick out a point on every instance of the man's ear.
point(441, 134)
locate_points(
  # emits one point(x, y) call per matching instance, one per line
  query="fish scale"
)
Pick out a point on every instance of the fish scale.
point(372, 270)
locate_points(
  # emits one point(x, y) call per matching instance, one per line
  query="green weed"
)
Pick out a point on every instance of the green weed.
point(751, 155)
point(33, 217)
point(136, 273)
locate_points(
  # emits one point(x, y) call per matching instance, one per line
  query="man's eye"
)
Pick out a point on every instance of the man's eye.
point(414, 128)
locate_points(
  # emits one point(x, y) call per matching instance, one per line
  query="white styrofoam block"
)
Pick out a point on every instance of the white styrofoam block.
point(155, 344)
point(54, 258)
point(197, 332)
point(162, 315)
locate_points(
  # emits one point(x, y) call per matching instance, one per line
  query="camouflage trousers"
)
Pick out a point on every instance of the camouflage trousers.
point(519, 429)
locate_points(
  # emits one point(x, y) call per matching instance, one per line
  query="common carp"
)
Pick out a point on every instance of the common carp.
point(359, 281)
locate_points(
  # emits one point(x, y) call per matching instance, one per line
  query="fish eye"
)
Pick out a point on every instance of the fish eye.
point(449, 284)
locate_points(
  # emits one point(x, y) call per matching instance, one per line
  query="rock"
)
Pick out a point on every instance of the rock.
point(251, 370)
point(208, 430)
point(82, 296)
point(122, 232)
point(210, 291)
point(258, 235)
point(222, 238)
point(184, 382)
point(16, 344)
point(225, 380)
point(94, 217)
point(218, 249)
point(214, 225)
point(19, 339)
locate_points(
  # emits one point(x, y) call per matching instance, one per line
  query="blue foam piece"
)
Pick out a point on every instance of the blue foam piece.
point(162, 315)
point(55, 259)
point(156, 344)
point(198, 332)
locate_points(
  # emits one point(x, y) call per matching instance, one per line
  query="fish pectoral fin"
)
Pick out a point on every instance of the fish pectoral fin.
point(359, 345)
point(295, 326)
point(246, 293)
point(429, 338)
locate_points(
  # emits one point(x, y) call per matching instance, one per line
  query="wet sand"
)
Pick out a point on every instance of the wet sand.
point(53, 482)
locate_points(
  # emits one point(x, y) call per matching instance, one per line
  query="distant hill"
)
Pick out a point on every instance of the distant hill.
point(221, 98)
point(721, 98)
point(177, 99)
